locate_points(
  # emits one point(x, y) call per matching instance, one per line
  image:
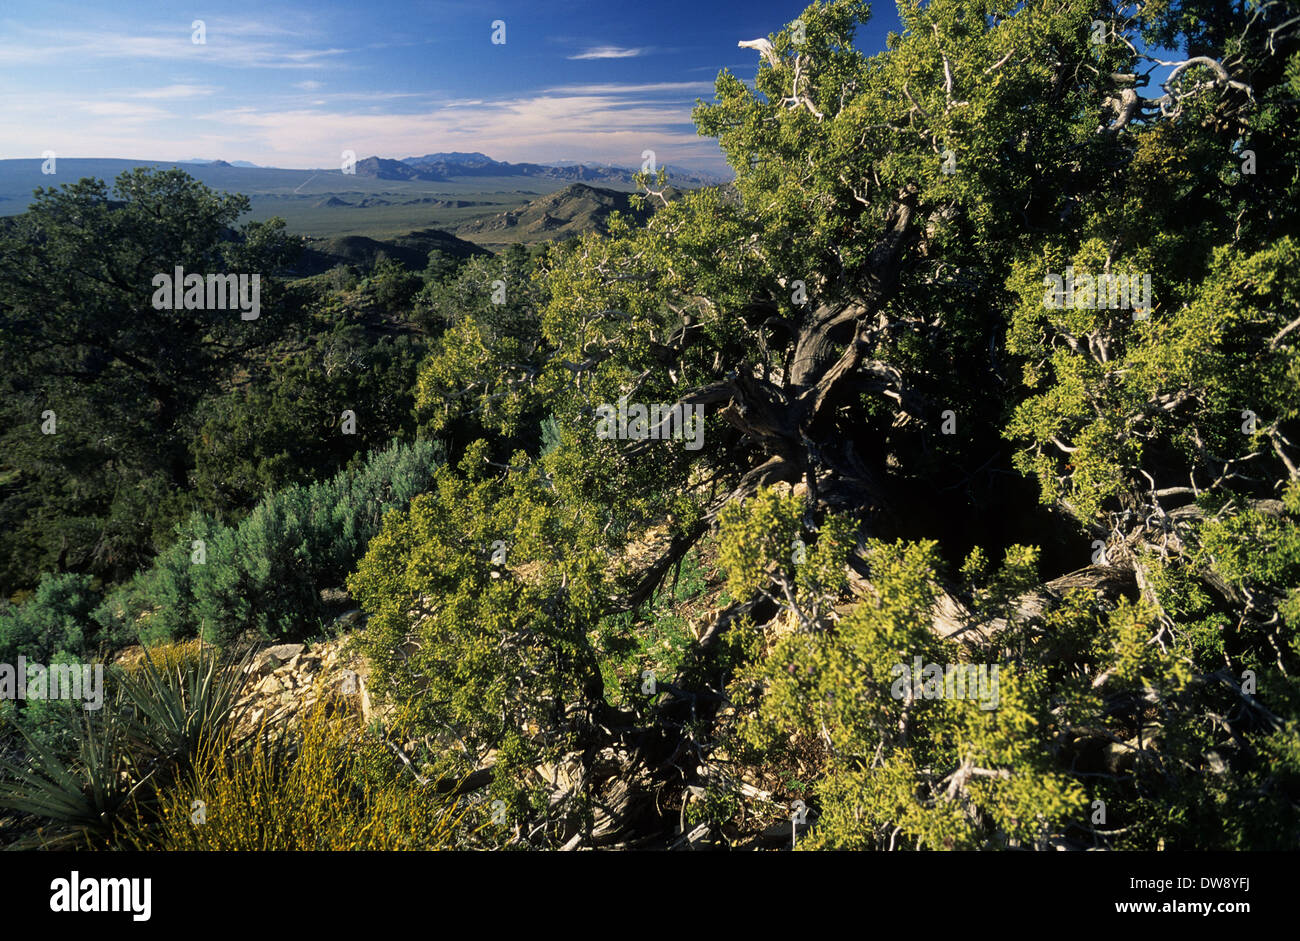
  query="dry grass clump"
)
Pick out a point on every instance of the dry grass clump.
point(329, 786)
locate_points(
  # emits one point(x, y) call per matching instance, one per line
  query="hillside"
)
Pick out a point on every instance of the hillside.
point(576, 209)
point(377, 168)
point(412, 250)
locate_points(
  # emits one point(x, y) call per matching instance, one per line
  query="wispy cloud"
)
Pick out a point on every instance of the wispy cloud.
point(124, 111)
point(30, 46)
point(610, 123)
point(609, 52)
point(376, 95)
point(136, 86)
point(618, 88)
point(173, 91)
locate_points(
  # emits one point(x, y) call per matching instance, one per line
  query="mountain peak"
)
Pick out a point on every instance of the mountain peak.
point(382, 168)
point(454, 156)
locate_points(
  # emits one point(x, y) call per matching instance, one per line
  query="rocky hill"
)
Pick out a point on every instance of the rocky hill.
point(571, 211)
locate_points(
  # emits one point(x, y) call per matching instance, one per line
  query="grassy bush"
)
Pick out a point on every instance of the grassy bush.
point(168, 739)
point(84, 801)
point(184, 656)
point(323, 790)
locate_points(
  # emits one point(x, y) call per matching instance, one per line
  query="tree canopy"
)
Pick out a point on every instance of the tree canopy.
point(1097, 497)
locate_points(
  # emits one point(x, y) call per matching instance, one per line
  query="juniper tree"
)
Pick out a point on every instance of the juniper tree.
point(863, 318)
point(82, 343)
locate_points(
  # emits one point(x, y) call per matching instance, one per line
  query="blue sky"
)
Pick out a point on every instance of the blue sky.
point(295, 84)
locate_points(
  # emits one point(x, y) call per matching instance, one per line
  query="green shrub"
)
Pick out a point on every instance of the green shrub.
point(394, 287)
point(55, 619)
point(499, 653)
point(341, 277)
point(54, 723)
point(265, 575)
point(284, 426)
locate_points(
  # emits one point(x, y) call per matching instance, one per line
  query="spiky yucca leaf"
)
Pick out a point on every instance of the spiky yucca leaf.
point(87, 799)
point(156, 728)
point(177, 711)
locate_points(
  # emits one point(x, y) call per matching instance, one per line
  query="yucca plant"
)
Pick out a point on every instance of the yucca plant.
point(154, 730)
point(89, 799)
point(176, 712)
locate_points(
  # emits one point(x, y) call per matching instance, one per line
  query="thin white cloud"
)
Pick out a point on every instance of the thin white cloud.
point(377, 95)
point(686, 88)
point(309, 85)
point(174, 91)
point(29, 46)
point(243, 27)
point(124, 111)
point(609, 52)
point(311, 54)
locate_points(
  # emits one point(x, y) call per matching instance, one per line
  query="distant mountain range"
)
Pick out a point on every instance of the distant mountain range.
point(441, 167)
point(20, 176)
point(457, 199)
point(224, 163)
